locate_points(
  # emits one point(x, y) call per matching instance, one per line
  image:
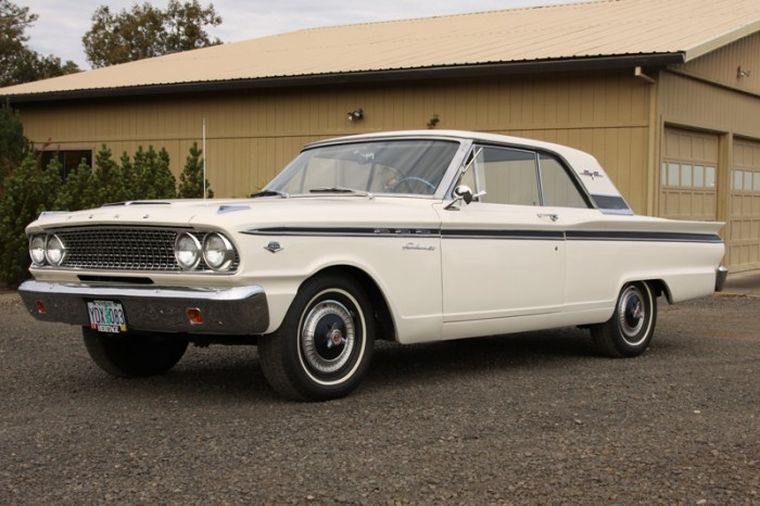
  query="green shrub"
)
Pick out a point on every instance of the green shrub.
point(191, 179)
point(28, 191)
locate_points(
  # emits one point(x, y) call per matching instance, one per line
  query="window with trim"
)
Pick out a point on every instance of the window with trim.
point(687, 175)
point(745, 180)
point(508, 176)
point(557, 185)
point(520, 177)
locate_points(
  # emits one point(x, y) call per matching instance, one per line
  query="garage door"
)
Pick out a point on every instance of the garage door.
point(744, 224)
point(688, 175)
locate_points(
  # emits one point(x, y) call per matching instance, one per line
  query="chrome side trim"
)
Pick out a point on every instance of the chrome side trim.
point(720, 278)
point(548, 232)
point(238, 310)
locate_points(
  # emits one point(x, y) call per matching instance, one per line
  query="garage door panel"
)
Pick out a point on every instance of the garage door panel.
point(744, 221)
point(690, 161)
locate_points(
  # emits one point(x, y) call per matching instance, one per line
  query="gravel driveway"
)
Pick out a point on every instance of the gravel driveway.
point(531, 418)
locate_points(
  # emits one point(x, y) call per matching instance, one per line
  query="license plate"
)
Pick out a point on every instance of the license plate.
point(107, 316)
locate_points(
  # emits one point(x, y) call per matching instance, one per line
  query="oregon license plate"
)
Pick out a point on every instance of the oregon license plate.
point(107, 316)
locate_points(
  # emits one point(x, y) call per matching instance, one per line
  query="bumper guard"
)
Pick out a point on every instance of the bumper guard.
point(720, 278)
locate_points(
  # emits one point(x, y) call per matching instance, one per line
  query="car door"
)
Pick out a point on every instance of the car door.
point(503, 255)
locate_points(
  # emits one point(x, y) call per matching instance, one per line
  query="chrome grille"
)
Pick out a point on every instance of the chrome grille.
point(124, 248)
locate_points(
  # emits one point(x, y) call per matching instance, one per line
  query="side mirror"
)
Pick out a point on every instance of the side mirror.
point(463, 192)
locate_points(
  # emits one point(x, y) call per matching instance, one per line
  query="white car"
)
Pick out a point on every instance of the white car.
point(412, 236)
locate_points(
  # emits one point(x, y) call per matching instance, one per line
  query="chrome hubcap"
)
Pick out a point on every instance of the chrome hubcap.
point(631, 314)
point(328, 336)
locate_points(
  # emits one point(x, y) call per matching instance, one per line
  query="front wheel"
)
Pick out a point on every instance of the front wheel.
point(324, 344)
point(134, 354)
point(630, 329)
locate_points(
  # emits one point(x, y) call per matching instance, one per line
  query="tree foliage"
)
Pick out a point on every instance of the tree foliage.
point(146, 31)
point(151, 176)
point(108, 182)
point(191, 178)
point(28, 191)
point(19, 63)
point(77, 191)
point(13, 144)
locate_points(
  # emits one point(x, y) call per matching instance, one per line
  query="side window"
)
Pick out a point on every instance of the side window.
point(558, 188)
point(507, 175)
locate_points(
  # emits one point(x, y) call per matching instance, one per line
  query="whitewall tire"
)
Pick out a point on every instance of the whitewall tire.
point(324, 344)
point(630, 329)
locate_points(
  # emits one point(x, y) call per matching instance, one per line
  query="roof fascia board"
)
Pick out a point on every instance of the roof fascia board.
point(720, 41)
point(376, 76)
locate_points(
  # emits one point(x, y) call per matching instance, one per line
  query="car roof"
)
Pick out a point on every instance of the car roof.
point(584, 164)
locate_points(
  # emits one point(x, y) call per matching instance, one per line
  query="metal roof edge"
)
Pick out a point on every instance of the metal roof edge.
point(720, 41)
point(358, 77)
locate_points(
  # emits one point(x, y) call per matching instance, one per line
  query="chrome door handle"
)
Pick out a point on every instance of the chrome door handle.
point(551, 216)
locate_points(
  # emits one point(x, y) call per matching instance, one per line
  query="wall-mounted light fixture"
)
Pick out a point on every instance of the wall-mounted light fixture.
point(355, 115)
point(433, 121)
point(740, 72)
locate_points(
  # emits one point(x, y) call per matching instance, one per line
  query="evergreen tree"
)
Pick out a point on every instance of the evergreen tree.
point(164, 182)
point(191, 179)
point(153, 177)
point(28, 191)
point(129, 182)
point(13, 144)
point(108, 180)
point(77, 190)
point(140, 177)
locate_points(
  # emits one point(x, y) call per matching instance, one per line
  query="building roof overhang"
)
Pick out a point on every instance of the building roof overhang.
point(363, 77)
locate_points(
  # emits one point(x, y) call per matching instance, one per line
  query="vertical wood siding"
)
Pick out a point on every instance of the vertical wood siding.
point(722, 65)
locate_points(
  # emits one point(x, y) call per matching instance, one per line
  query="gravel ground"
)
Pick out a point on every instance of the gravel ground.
point(531, 418)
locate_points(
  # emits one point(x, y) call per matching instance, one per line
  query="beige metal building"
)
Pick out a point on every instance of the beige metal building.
point(665, 94)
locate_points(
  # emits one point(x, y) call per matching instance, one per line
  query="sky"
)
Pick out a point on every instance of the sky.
point(62, 23)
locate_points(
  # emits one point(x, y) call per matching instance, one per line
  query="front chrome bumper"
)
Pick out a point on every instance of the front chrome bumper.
point(720, 278)
point(228, 311)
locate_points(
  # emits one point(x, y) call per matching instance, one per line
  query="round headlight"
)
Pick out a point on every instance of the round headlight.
point(218, 252)
point(55, 251)
point(187, 251)
point(37, 249)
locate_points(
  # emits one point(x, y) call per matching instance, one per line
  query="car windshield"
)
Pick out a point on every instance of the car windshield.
point(411, 167)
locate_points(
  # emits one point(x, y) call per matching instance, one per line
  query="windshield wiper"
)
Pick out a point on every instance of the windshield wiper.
point(340, 189)
point(270, 193)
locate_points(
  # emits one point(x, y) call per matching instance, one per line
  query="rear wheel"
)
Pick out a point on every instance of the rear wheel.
point(134, 354)
point(324, 344)
point(630, 329)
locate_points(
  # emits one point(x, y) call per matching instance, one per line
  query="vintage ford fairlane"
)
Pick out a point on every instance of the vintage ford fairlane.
point(411, 236)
